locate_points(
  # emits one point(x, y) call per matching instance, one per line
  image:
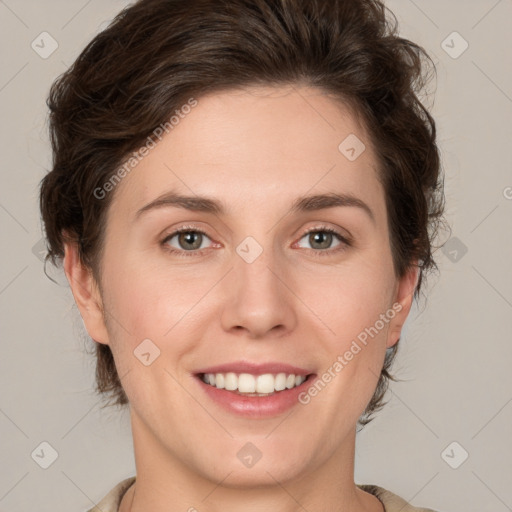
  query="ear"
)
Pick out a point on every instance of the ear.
point(402, 303)
point(86, 293)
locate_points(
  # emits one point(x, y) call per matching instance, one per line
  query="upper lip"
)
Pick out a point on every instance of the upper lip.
point(255, 368)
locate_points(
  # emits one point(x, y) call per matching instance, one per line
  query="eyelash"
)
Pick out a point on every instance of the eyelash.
point(345, 241)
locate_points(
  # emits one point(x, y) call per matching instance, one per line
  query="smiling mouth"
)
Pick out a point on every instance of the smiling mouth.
point(247, 384)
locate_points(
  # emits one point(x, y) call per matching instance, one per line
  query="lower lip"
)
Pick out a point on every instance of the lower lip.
point(256, 406)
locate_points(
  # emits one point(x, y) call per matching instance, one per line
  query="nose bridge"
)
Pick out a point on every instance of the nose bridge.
point(257, 299)
point(256, 266)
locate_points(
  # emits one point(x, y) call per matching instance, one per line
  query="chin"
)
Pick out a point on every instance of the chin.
point(258, 476)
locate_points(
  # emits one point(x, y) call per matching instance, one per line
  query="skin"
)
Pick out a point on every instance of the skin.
point(255, 149)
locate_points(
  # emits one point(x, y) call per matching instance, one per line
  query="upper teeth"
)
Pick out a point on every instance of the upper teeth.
point(247, 383)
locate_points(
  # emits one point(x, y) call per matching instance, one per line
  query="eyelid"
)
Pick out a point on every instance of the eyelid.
point(341, 233)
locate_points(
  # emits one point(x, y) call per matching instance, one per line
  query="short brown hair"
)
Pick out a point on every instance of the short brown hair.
point(156, 54)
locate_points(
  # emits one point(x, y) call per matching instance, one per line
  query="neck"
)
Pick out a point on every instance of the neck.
point(167, 484)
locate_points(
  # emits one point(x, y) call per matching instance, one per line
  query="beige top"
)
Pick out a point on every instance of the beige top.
point(391, 502)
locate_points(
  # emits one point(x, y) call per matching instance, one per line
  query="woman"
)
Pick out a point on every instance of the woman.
point(244, 196)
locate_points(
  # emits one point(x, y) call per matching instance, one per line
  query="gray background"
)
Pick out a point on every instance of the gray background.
point(456, 352)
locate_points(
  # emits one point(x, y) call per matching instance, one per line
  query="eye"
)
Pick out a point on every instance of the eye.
point(321, 239)
point(189, 241)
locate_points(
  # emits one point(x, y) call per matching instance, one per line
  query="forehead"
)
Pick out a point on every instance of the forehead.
point(258, 143)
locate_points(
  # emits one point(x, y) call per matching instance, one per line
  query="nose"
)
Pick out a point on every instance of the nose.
point(258, 298)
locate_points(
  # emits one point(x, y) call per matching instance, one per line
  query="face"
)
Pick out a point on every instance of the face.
point(262, 281)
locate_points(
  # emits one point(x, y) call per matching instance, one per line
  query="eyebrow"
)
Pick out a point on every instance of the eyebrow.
point(302, 204)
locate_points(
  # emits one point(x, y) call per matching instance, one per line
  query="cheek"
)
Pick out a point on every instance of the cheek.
point(354, 311)
point(348, 300)
point(148, 302)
